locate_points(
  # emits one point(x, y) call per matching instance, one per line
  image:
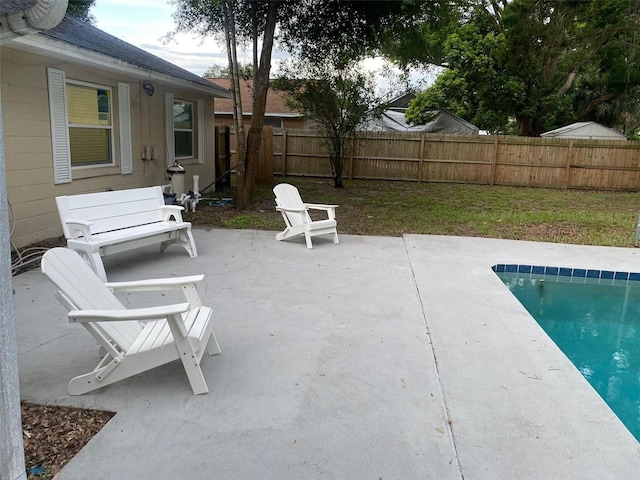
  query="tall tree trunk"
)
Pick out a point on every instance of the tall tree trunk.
point(259, 104)
point(232, 56)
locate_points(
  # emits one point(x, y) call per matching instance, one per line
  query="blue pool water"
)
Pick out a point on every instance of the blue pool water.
point(596, 323)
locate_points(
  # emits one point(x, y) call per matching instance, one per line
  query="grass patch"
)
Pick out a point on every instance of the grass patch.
point(395, 208)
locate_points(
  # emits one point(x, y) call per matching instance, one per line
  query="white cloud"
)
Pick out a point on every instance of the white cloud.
point(145, 23)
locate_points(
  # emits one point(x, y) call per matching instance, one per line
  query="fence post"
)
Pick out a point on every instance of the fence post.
point(567, 175)
point(217, 162)
point(227, 153)
point(494, 162)
point(284, 153)
point(355, 145)
point(421, 158)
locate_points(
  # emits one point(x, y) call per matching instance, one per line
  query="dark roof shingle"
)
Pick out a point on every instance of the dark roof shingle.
point(83, 35)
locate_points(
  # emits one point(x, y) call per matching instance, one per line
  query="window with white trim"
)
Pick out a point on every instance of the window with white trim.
point(90, 124)
point(82, 125)
point(183, 129)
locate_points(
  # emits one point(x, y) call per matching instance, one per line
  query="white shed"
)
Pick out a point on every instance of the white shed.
point(588, 130)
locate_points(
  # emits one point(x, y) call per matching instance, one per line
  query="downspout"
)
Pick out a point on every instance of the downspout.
point(45, 14)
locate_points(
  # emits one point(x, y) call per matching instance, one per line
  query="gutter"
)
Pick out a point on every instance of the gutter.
point(43, 15)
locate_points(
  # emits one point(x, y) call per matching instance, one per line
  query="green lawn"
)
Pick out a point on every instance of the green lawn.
point(394, 208)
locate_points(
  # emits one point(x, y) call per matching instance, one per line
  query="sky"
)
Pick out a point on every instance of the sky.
point(144, 23)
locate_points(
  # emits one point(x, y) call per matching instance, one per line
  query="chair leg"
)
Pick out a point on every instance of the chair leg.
point(189, 358)
point(335, 237)
point(307, 237)
point(212, 345)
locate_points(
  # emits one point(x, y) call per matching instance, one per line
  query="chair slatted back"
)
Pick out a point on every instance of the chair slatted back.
point(288, 196)
point(79, 283)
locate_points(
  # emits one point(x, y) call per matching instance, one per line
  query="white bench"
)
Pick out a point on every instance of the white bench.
point(100, 224)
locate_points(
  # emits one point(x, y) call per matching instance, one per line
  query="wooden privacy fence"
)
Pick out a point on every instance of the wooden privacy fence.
point(481, 159)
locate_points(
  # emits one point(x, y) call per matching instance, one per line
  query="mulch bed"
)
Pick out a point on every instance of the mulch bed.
point(53, 435)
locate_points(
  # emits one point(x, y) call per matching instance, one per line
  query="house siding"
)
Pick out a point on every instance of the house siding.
point(28, 146)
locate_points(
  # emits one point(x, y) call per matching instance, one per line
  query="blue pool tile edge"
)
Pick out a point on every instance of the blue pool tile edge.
point(577, 273)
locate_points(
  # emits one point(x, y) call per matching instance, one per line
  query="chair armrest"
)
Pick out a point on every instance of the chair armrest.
point(79, 227)
point(148, 313)
point(285, 209)
point(174, 211)
point(319, 206)
point(154, 284)
point(330, 209)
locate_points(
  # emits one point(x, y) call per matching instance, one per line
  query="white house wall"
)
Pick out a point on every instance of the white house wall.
point(28, 148)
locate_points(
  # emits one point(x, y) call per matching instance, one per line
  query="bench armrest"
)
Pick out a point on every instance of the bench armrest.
point(79, 228)
point(174, 211)
point(154, 284)
point(148, 313)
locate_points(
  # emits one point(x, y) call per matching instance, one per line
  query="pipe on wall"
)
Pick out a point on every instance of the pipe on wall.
point(43, 15)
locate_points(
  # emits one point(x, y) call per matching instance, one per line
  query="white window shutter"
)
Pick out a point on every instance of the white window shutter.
point(200, 131)
point(59, 126)
point(124, 117)
point(170, 138)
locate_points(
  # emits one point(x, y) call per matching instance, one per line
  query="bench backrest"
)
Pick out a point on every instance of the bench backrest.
point(112, 210)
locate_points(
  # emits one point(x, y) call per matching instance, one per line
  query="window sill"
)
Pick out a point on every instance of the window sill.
point(89, 172)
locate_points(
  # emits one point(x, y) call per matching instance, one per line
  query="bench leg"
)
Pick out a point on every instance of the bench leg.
point(184, 239)
point(189, 244)
point(95, 262)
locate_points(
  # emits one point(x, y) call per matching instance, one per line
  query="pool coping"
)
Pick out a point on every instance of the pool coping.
point(572, 274)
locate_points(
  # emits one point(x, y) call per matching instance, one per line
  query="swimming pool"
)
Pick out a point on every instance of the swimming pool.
point(594, 317)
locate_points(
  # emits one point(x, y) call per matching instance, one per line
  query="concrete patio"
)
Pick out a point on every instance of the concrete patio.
point(378, 358)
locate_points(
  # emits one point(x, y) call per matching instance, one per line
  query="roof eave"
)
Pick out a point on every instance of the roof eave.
point(62, 50)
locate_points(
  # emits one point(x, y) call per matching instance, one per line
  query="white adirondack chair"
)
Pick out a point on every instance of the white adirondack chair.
point(132, 340)
point(296, 215)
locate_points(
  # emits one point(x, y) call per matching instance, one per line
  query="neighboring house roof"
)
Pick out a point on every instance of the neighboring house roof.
point(275, 100)
point(443, 122)
point(589, 130)
point(401, 103)
point(87, 44)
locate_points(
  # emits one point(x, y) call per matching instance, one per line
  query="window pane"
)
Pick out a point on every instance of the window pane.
point(89, 146)
point(273, 121)
point(88, 105)
point(182, 116)
point(184, 144)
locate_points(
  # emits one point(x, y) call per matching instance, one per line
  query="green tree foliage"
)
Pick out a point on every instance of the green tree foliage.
point(543, 63)
point(80, 9)
point(222, 71)
point(338, 99)
point(313, 30)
